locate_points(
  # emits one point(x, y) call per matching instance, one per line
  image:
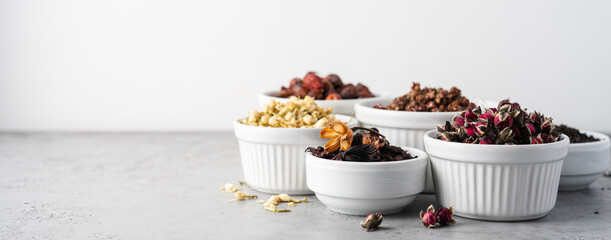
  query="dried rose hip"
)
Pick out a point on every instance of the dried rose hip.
point(334, 80)
point(348, 92)
point(312, 81)
point(329, 88)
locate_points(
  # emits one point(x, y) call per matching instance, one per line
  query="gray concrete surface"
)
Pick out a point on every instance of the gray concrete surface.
point(166, 186)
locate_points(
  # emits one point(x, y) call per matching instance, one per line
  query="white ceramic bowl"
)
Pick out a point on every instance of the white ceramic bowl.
point(360, 188)
point(585, 162)
point(342, 106)
point(496, 182)
point(402, 128)
point(273, 159)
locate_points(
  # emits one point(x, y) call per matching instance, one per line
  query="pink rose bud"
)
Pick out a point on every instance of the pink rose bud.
point(458, 121)
point(480, 128)
point(486, 117)
point(470, 130)
point(531, 128)
point(428, 218)
point(444, 216)
point(485, 141)
point(470, 116)
point(515, 106)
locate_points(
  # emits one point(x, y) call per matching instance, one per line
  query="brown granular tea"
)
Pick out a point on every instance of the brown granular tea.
point(429, 100)
point(575, 136)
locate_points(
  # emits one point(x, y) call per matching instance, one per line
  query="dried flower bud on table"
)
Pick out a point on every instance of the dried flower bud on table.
point(372, 221)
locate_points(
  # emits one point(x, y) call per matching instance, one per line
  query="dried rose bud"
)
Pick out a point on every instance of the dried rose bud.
point(503, 120)
point(486, 117)
point(470, 116)
point(536, 140)
point(444, 216)
point(486, 141)
point(458, 121)
point(372, 221)
point(546, 126)
point(480, 128)
point(470, 130)
point(448, 136)
point(531, 128)
point(506, 135)
point(429, 219)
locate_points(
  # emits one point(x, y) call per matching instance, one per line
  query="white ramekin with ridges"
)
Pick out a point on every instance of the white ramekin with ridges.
point(273, 159)
point(402, 128)
point(496, 182)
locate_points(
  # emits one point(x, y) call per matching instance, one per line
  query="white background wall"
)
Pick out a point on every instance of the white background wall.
point(140, 65)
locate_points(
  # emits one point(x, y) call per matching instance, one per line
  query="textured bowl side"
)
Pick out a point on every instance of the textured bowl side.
point(273, 159)
point(499, 192)
point(496, 182)
point(402, 128)
point(402, 136)
point(274, 168)
point(361, 188)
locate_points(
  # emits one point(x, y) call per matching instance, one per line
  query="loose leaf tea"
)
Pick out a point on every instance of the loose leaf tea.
point(329, 88)
point(575, 136)
point(363, 147)
point(429, 100)
point(507, 124)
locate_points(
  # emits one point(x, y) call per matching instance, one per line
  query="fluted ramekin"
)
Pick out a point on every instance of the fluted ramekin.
point(342, 106)
point(360, 188)
point(403, 128)
point(273, 159)
point(496, 182)
point(585, 162)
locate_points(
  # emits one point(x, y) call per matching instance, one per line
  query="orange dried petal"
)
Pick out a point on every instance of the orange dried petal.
point(332, 145)
point(328, 133)
point(346, 140)
point(339, 127)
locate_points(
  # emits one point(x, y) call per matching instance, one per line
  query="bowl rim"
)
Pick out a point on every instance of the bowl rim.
point(420, 155)
point(376, 95)
point(494, 153)
point(434, 131)
point(368, 106)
